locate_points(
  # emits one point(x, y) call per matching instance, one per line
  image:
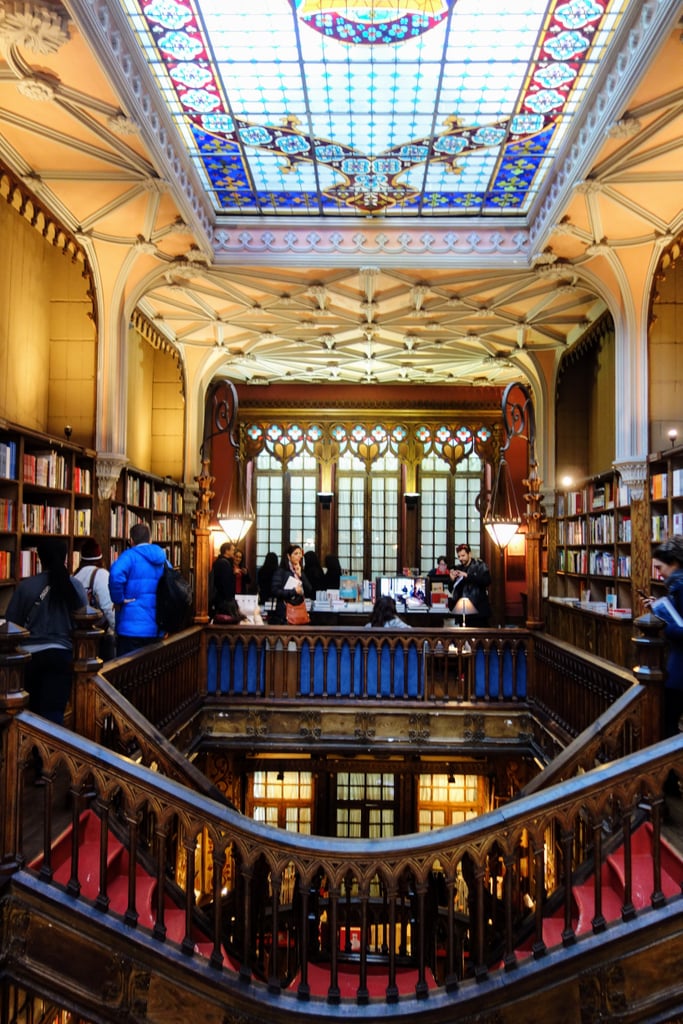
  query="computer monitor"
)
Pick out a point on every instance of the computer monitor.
point(407, 591)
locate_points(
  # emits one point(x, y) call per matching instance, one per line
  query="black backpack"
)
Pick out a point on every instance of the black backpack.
point(174, 600)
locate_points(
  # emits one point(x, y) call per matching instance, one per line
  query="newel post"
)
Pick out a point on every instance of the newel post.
point(649, 670)
point(13, 698)
point(86, 663)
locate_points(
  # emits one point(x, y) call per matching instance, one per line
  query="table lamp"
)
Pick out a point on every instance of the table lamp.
point(464, 607)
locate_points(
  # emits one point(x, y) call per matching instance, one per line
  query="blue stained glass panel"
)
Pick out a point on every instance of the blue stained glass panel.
point(453, 106)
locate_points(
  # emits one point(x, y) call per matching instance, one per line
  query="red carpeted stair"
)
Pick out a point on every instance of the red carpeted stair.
point(117, 881)
point(613, 888)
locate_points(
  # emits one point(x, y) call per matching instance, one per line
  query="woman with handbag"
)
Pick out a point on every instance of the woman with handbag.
point(290, 589)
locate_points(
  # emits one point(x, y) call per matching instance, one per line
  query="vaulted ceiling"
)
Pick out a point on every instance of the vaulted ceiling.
point(437, 190)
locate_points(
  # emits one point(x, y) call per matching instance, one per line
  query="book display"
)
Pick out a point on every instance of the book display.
point(46, 489)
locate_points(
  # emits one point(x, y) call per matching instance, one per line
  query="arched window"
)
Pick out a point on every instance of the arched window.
point(448, 510)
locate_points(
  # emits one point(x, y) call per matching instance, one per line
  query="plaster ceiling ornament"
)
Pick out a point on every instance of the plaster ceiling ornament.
point(626, 128)
point(123, 125)
point(38, 27)
point(35, 89)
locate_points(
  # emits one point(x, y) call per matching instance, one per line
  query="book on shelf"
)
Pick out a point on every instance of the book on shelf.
point(658, 486)
point(8, 460)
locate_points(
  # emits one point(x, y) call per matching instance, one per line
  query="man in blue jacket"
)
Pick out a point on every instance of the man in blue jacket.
point(133, 581)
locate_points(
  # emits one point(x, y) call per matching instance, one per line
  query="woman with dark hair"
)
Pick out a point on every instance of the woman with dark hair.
point(314, 572)
point(384, 615)
point(332, 572)
point(667, 561)
point(44, 604)
point(264, 577)
point(290, 584)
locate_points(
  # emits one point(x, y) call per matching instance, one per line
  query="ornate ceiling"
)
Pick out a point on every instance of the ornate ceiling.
point(415, 191)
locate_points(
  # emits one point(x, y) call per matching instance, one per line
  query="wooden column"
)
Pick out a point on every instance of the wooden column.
point(202, 544)
point(534, 544)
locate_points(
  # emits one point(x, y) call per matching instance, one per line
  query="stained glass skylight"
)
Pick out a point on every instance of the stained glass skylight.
point(394, 107)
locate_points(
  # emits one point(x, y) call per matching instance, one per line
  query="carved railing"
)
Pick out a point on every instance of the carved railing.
point(380, 892)
point(344, 663)
point(571, 687)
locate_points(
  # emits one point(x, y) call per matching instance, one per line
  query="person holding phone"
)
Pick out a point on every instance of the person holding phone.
point(667, 560)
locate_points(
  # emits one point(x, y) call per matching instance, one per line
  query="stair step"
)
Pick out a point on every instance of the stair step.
point(584, 897)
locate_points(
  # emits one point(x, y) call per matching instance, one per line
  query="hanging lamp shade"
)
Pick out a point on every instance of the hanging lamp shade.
point(235, 527)
point(502, 518)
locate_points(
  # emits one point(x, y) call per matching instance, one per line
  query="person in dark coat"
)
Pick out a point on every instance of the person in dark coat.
point(314, 572)
point(333, 572)
point(264, 577)
point(471, 579)
point(667, 563)
point(223, 583)
point(44, 605)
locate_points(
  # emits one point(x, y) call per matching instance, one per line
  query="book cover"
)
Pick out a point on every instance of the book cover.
point(665, 609)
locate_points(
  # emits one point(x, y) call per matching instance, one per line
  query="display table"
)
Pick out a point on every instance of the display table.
point(358, 613)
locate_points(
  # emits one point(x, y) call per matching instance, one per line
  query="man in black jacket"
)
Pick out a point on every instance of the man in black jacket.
point(471, 580)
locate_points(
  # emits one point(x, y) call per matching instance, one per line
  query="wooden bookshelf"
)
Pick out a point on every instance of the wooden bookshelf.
point(158, 502)
point(46, 489)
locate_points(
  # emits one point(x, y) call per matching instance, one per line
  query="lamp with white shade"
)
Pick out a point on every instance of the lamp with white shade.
point(464, 607)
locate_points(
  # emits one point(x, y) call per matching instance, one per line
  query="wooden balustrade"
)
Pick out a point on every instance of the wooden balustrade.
point(284, 908)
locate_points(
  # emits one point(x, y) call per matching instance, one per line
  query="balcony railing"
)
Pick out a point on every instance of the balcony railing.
point(291, 911)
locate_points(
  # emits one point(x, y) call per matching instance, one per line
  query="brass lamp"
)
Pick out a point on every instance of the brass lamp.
point(237, 519)
point(502, 517)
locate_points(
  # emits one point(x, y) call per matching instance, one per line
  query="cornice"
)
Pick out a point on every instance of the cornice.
point(417, 412)
point(496, 244)
point(644, 28)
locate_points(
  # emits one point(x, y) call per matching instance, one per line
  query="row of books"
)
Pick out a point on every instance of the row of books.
point(594, 563)
point(45, 519)
point(8, 460)
point(659, 526)
point(624, 531)
point(7, 514)
point(138, 492)
point(5, 565)
point(162, 534)
point(47, 469)
point(659, 484)
point(121, 520)
point(572, 561)
point(168, 501)
point(573, 532)
point(82, 480)
point(602, 529)
point(597, 496)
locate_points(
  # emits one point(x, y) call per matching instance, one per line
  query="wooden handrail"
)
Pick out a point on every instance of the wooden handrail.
point(608, 800)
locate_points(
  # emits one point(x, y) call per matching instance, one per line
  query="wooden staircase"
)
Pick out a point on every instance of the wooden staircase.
point(616, 903)
point(132, 896)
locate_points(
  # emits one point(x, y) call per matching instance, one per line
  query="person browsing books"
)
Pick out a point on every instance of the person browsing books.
point(667, 562)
